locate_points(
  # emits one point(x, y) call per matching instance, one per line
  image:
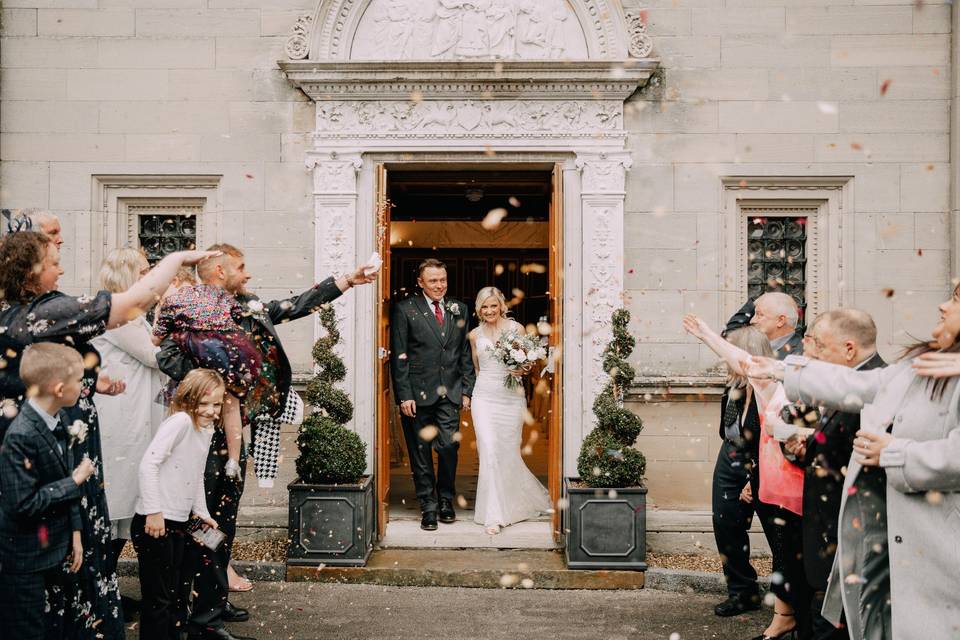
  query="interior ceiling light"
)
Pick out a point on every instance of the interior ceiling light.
point(474, 194)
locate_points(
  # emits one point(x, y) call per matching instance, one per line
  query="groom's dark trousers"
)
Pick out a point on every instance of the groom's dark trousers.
point(445, 416)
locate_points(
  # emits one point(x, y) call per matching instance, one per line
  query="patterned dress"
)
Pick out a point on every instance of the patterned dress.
point(93, 598)
point(202, 320)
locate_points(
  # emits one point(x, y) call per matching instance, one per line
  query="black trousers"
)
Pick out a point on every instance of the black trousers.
point(445, 416)
point(732, 518)
point(23, 601)
point(223, 501)
point(820, 627)
point(784, 532)
point(166, 573)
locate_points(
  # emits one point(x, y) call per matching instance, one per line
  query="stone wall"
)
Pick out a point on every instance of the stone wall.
point(858, 88)
point(110, 87)
point(781, 87)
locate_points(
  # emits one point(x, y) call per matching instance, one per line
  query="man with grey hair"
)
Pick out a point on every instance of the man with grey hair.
point(845, 337)
point(777, 315)
point(34, 219)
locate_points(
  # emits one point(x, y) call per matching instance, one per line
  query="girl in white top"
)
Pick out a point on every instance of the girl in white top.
point(171, 489)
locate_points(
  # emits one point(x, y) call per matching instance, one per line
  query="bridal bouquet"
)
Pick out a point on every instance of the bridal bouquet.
point(515, 350)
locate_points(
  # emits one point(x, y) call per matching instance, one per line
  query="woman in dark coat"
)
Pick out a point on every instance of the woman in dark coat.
point(31, 310)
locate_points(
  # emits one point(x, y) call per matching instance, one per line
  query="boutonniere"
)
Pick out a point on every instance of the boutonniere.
point(255, 306)
point(453, 308)
point(77, 432)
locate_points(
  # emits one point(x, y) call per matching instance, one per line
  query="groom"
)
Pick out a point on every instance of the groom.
point(432, 370)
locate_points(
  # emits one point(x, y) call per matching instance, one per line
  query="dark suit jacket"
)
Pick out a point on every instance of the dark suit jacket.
point(428, 361)
point(39, 501)
point(828, 452)
point(741, 318)
point(177, 364)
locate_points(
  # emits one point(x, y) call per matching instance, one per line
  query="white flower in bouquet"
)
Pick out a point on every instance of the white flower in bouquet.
point(516, 350)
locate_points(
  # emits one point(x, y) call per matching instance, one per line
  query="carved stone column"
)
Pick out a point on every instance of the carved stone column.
point(335, 226)
point(602, 201)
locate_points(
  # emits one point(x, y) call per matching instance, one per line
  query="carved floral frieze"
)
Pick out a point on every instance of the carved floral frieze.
point(491, 116)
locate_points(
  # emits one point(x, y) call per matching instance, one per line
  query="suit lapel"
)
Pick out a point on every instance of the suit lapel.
point(429, 317)
point(449, 322)
point(45, 433)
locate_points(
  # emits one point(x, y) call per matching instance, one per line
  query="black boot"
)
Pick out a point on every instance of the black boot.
point(447, 514)
point(429, 521)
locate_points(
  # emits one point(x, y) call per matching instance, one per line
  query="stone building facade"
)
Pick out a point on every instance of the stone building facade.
point(263, 124)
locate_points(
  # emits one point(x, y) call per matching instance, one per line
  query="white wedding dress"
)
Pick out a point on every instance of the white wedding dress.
point(507, 492)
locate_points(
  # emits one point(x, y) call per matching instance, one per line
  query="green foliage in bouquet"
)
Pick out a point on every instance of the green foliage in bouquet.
point(329, 452)
point(607, 457)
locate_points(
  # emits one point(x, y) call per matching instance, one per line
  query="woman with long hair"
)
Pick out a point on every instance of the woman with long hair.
point(780, 519)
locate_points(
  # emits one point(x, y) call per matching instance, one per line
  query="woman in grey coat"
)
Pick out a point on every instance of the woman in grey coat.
point(898, 554)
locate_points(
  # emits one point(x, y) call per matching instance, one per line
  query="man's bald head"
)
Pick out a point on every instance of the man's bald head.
point(776, 314)
point(844, 336)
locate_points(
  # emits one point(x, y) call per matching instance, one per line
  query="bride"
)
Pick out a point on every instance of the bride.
point(507, 492)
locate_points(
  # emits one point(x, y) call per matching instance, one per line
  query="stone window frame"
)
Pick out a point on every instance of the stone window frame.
point(826, 201)
point(118, 198)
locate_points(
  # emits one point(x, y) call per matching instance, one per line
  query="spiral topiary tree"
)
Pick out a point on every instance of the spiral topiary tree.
point(329, 452)
point(607, 457)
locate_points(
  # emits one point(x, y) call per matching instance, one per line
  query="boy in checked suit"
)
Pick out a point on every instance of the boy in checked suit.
point(39, 497)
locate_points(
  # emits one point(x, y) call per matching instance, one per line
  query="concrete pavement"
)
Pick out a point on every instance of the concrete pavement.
point(303, 611)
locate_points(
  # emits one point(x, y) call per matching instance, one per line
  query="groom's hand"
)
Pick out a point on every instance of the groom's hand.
point(466, 403)
point(408, 408)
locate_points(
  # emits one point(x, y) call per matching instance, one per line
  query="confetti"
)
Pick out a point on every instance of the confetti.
point(493, 218)
point(884, 87)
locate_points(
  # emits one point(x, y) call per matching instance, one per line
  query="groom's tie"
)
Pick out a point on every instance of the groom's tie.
point(437, 312)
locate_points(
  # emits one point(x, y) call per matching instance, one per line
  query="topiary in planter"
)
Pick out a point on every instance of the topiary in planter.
point(607, 457)
point(329, 452)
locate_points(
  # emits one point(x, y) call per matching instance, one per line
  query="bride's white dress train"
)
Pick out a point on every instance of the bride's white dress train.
point(507, 492)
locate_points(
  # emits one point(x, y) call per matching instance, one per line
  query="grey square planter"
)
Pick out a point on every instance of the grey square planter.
point(331, 524)
point(604, 532)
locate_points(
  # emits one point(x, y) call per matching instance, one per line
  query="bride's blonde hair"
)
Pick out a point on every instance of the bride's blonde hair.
point(491, 292)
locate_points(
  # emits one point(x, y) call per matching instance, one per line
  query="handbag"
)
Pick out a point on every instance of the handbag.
point(781, 483)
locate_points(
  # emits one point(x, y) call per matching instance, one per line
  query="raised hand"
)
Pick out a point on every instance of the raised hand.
point(193, 257)
point(937, 365)
point(761, 368)
point(695, 326)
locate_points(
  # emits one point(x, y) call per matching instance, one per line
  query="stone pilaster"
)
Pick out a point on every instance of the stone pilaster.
point(335, 226)
point(602, 201)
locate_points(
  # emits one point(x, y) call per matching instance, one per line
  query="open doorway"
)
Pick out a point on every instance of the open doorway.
point(446, 214)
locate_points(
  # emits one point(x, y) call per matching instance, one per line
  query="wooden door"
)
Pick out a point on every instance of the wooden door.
point(384, 400)
point(555, 297)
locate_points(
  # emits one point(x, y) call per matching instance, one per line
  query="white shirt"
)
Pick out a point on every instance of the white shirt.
point(433, 309)
point(51, 421)
point(171, 472)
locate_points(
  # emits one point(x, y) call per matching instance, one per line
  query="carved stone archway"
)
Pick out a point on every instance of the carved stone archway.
point(534, 81)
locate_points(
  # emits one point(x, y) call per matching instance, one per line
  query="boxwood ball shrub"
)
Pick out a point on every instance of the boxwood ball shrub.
point(607, 457)
point(329, 452)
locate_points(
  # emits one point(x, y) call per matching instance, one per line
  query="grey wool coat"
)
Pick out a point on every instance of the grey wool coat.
point(921, 524)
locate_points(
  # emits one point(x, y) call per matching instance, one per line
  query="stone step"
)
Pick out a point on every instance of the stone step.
point(480, 568)
point(668, 531)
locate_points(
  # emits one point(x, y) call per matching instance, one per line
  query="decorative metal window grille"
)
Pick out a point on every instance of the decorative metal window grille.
point(777, 257)
point(161, 233)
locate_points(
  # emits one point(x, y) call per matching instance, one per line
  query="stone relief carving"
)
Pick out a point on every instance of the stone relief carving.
point(468, 29)
point(334, 176)
point(298, 44)
point(489, 116)
point(641, 44)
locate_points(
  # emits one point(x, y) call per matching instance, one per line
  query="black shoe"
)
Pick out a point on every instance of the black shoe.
point(131, 608)
point(735, 605)
point(429, 521)
point(214, 633)
point(234, 614)
point(447, 514)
